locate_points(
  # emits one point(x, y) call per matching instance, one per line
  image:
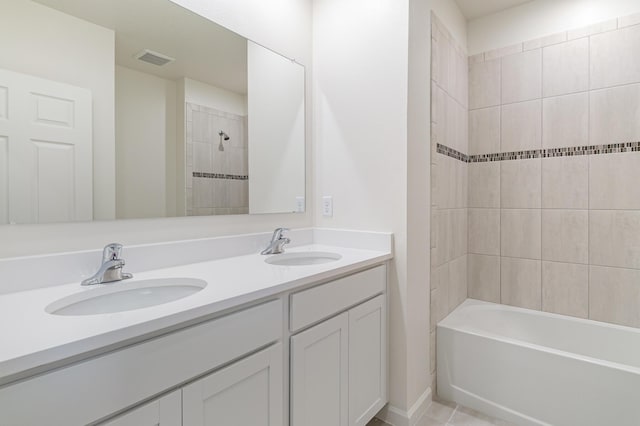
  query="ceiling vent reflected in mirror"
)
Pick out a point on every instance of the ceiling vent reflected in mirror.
point(154, 58)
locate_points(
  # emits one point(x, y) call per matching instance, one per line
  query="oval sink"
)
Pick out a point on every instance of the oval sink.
point(126, 296)
point(303, 258)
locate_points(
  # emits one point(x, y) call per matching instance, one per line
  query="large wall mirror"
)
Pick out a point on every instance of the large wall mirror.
point(120, 109)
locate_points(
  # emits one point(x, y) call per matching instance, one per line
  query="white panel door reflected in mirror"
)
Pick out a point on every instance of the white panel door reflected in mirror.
point(171, 113)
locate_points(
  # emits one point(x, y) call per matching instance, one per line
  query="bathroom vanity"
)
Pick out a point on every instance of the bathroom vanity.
point(265, 342)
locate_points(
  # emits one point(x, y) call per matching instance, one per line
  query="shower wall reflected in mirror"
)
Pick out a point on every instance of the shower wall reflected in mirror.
point(217, 162)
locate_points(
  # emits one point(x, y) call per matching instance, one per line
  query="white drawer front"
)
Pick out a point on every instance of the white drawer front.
point(312, 305)
point(88, 391)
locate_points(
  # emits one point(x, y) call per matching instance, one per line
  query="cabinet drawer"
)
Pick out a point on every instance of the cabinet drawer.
point(98, 387)
point(312, 305)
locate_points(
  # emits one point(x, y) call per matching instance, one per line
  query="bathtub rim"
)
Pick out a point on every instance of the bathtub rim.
point(482, 305)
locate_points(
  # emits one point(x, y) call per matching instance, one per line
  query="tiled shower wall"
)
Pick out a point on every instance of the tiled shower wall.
point(217, 181)
point(449, 124)
point(554, 212)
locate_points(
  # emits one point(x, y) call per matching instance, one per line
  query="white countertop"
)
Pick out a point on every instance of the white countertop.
point(32, 338)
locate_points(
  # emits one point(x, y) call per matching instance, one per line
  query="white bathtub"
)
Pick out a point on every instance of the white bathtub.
point(536, 368)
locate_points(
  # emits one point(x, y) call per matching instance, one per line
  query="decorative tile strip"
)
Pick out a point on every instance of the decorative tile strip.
point(541, 153)
point(220, 176)
point(443, 149)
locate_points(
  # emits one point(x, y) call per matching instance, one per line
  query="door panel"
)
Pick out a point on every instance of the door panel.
point(164, 411)
point(248, 392)
point(319, 377)
point(367, 360)
point(47, 127)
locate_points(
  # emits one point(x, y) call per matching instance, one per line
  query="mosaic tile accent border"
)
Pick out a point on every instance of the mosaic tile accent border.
point(220, 176)
point(540, 153)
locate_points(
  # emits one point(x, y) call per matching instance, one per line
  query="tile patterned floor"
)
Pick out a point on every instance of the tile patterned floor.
point(442, 413)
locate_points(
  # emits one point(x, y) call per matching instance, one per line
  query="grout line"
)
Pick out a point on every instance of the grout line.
point(453, 413)
point(589, 181)
point(541, 185)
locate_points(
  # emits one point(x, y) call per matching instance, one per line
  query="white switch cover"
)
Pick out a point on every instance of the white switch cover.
point(299, 204)
point(327, 206)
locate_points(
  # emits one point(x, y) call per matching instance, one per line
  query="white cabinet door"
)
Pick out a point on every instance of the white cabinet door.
point(248, 392)
point(164, 411)
point(367, 360)
point(46, 160)
point(319, 376)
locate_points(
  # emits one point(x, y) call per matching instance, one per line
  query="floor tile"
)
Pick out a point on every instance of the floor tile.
point(444, 413)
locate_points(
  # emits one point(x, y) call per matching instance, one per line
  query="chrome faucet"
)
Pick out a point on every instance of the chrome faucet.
point(111, 268)
point(276, 246)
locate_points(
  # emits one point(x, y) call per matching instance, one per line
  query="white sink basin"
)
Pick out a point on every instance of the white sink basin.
point(303, 258)
point(126, 296)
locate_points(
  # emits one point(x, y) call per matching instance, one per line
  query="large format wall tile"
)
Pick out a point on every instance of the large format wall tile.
point(614, 115)
point(522, 76)
point(521, 126)
point(484, 231)
point(520, 184)
point(598, 27)
point(441, 228)
point(614, 238)
point(440, 59)
point(438, 105)
point(614, 295)
point(521, 282)
point(458, 233)
point(484, 131)
point(560, 232)
point(484, 84)
point(520, 233)
point(565, 289)
point(484, 184)
point(614, 58)
point(614, 181)
point(565, 236)
point(627, 21)
point(484, 277)
point(565, 121)
point(566, 68)
point(439, 293)
point(456, 126)
point(545, 41)
point(565, 182)
point(458, 282)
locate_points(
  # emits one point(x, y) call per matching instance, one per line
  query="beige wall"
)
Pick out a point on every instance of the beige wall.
point(558, 234)
point(283, 25)
point(145, 129)
point(46, 43)
point(542, 18)
point(214, 97)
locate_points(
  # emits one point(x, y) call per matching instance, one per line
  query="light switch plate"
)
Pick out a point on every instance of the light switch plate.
point(299, 204)
point(327, 205)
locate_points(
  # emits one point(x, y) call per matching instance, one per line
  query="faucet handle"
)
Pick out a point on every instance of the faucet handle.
point(279, 232)
point(111, 252)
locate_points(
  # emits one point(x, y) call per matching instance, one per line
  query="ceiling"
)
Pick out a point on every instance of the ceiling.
point(473, 9)
point(203, 50)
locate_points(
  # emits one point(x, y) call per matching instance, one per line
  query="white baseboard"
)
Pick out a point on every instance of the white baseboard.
point(397, 417)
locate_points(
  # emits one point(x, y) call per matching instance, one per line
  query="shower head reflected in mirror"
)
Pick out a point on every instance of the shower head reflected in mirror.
point(223, 136)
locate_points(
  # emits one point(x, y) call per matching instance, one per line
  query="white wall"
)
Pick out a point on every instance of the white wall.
point(283, 25)
point(145, 110)
point(214, 97)
point(371, 136)
point(540, 18)
point(43, 42)
point(276, 131)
